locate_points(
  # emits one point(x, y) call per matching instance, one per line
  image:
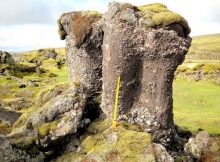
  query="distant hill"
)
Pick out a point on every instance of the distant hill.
point(205, 47)
point(18, 55)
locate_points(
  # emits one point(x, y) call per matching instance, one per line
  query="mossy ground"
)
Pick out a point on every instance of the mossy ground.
point(24, 81)
point(123, 143)
point(196, 105)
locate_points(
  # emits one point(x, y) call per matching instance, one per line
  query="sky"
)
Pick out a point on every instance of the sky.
point(31, 24)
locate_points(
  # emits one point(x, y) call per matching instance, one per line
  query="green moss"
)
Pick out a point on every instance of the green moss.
point(115, 143)
point(93, 13)
point(130, 126)
point(180, 158)
point(22, 120)
point(210, 68)
point(51, 91)
point(128, 140)
point(158, 15)
point(156, 8)
point(24, 142)
point(50, 63)
point(45, 128)
point(61, 30)
point(99, 126)
point(5, 128)
point(69, 157)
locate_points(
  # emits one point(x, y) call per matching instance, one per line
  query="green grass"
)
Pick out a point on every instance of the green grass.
point(196, 105)
point(205, 47)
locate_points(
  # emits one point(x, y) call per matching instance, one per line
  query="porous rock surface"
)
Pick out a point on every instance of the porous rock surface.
point(144, 45)
point(146, 60)
point(84, 37)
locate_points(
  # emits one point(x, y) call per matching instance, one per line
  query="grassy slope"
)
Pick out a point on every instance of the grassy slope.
point(205, 47)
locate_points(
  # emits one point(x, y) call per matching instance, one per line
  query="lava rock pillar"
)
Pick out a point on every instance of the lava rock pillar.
point(83, 36)
point(146, 59)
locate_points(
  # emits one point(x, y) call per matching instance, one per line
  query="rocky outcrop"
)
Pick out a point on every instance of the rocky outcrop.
point(125, 143)
point(203, 147)
point(6, 58)
point(144, 45)
point(196, 146)
point(45, 56)
point(146, 60)
point(84, 37)
point(10, 154)
point(59, 115)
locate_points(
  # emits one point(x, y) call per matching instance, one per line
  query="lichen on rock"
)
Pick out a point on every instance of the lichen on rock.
point(58, 113)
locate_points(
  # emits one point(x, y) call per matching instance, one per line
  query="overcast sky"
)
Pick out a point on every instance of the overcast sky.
point(31, 24)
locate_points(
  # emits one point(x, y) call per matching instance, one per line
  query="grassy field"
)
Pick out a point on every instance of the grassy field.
point(197, 105)
point(205, 47)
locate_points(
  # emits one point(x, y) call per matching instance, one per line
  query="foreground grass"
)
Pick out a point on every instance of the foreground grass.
point(196, 105)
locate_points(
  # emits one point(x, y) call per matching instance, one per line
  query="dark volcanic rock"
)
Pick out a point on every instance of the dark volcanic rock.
point(146, 60)
point(6, 58)
point(83, 44)
point(144, 45)
point(51, 54)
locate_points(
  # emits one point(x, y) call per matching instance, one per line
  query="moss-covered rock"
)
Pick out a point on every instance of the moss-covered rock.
point(16, 103)
point(51, 91)
point(5, 127)
point(57, 113)
point(45, 128)
point(158, 14)
point(124, 143)
point(24, 142)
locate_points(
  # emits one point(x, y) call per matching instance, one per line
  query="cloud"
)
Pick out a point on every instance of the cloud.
point(28, 37)
point(24, 11)
point(14, 12)
point(27, 24)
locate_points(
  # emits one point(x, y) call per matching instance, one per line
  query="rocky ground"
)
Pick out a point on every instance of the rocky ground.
point(49, 125)
point(45, 118)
